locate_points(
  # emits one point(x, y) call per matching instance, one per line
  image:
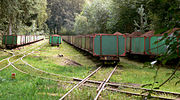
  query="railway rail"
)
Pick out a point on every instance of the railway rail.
point(80, 83)
point(12, 64)
point(6, 58)
point(100, 88)
point(24, 55)
point(13, 55)
point(129, 93)
point(104, 84)
point(114, 87)
point(40, 69)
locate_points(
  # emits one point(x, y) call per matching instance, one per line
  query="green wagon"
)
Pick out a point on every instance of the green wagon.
point(109, 46)
point(12, 41)
point(156, 47)
point(55, 40)
point(138, 45)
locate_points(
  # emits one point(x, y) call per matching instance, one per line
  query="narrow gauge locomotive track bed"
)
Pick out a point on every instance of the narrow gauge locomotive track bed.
point(7, 60)
point(13, 55)
point(20, 70)
point(118, 87)
point(41, 71)
point(100, 88)
point(103, 84)
point(7, 57)
point(36, 69)
point(38, 76)
point(129, 93)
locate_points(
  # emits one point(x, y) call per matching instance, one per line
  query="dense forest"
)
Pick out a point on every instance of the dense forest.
point(23, 16)
point(87, 16)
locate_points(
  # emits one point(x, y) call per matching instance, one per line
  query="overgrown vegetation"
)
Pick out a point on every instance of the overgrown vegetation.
point(136, 73)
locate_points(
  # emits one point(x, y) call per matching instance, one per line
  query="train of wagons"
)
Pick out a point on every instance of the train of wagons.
point(109, 47)
point(12, 41)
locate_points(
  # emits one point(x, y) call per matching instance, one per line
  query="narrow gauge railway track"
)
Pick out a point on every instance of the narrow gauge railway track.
point(116, 85)
point(100, 88)
point(12, 64)
point(104, 84)
point(8, 59)
point(42, 71)
point(129, 93)
point(21, 58)
point(13, 54)
point(28, 51)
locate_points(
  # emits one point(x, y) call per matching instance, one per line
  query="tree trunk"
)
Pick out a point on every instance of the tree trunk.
point(54, 30)
point(10, 27)
point(51, 31)
point(57, 29)
point(141, 28)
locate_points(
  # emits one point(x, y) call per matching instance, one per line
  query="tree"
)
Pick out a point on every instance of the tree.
point(143, 26)
point(62, 14)
point(165, 15)
point(17, 13)
point(96, 13)
point(123, 14)
point(80, 25)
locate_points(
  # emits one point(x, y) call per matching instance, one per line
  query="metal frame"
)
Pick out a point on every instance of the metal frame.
point(94, 54)
point(55, 35)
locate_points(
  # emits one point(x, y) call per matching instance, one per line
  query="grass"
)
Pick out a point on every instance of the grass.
point(28, 87)
point(102, 74)
point(3, 64)
point(86, 93)
point(4, 55)
point(68, 52)
point(52, 63)
point(25, 87)
point(132, 73)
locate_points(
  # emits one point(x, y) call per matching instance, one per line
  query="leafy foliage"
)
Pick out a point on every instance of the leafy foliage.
point(123, 14)
point(165, 15)
point(96, 13)
point(81, 24)
point(20, 15)
point(62, 14)
point(109, 16)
